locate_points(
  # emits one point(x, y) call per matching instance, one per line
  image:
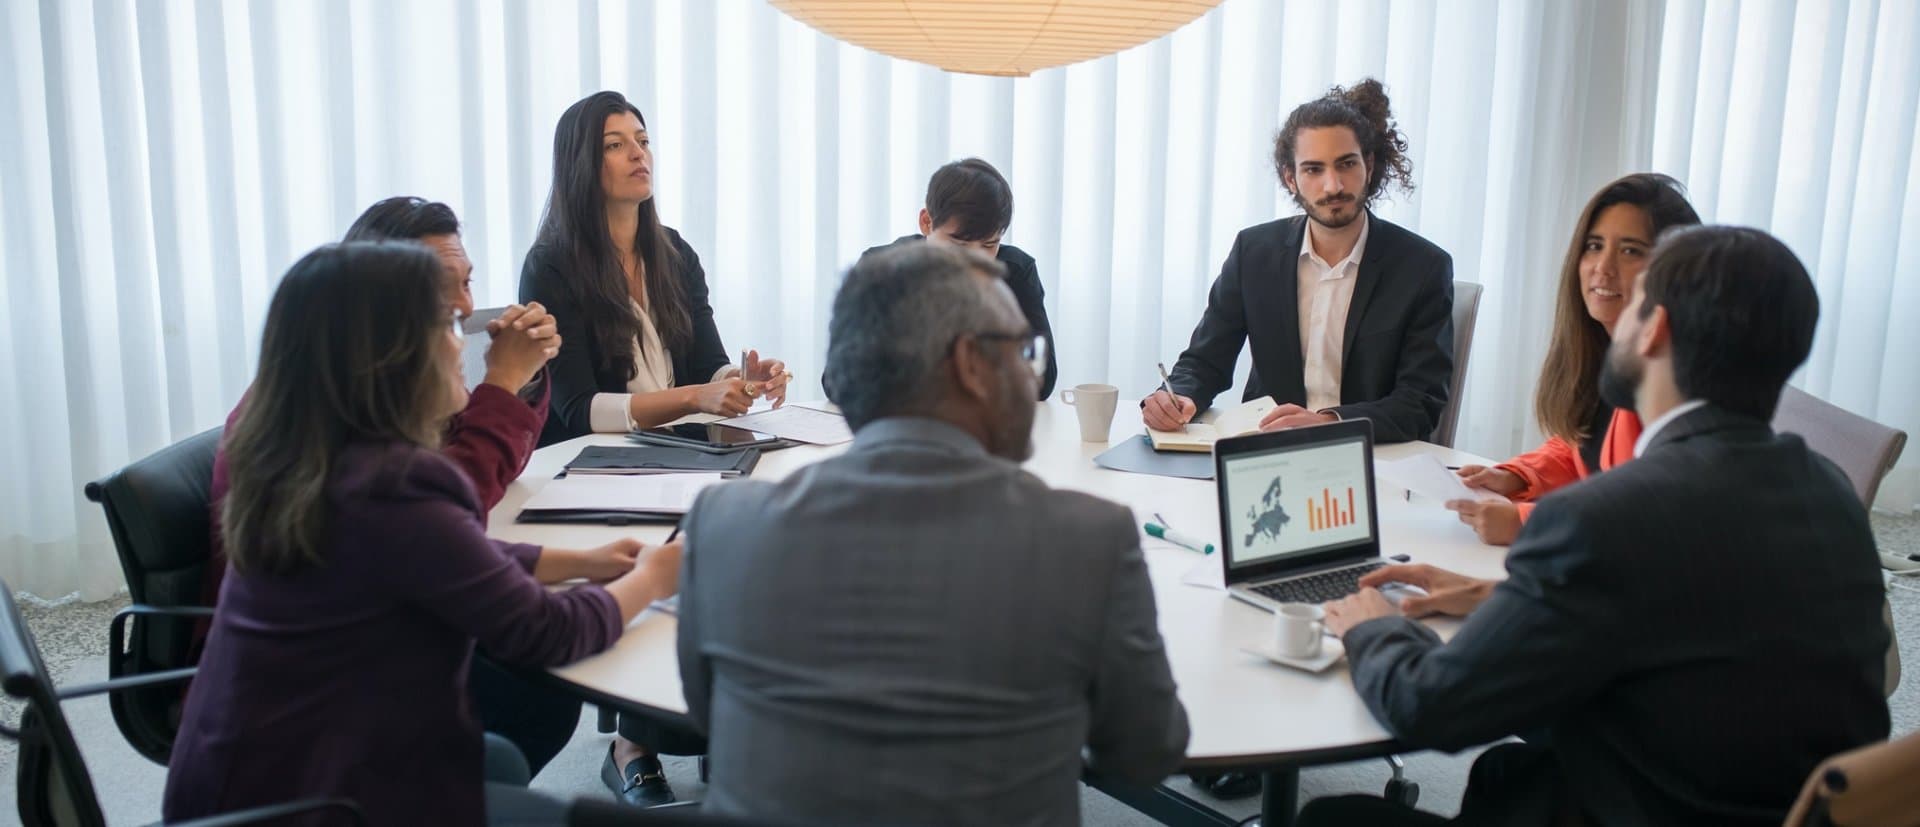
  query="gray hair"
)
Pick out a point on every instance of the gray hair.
point(894, 321)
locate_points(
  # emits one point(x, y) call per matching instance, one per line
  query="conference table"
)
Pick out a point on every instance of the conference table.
point(1245, 713)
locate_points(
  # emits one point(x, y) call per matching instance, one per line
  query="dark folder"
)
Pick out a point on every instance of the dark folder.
point(661, 459)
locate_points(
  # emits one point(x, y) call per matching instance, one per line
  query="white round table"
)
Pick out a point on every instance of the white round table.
point(1244, 712)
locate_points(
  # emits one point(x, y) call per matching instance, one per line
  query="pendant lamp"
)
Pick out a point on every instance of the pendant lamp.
point(1008, 38)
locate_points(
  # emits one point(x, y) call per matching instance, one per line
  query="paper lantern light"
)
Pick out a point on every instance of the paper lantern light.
point(995, 37)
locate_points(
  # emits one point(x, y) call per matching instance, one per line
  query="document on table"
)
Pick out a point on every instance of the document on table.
point(647, 493)
point(798, 423)
point(1198, 437)
point(1424, 475)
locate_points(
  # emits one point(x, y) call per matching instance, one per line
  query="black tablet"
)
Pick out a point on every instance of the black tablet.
point(708, 436)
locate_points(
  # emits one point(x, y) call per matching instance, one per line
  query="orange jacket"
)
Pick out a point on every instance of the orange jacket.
point(1558, 463)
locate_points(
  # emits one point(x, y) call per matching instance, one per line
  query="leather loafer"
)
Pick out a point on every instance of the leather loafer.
point(1229, 785)
point(643, 784)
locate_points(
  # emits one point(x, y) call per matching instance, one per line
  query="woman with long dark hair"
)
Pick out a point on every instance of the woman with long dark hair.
point(1604, 261)
point(360, 574)
point(642, 349)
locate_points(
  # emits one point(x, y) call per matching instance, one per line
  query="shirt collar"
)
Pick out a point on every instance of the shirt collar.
point(898, 429)
point(1653, 429)
point(1353, 258)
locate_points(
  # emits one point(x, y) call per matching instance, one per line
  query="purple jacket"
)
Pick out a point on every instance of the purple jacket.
point(349, 679)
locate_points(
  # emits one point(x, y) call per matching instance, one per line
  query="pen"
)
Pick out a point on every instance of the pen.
point(676, 533)
point(1166, 382)
point(1178, 539)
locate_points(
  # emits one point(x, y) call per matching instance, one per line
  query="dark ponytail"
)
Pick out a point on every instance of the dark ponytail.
point(1362, 108)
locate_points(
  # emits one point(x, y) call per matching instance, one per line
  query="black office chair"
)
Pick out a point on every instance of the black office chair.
point(157, 511)
point(53, 784)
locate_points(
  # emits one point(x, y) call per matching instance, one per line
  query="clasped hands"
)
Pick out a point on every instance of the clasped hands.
point(1447, 593)
point(524, 338)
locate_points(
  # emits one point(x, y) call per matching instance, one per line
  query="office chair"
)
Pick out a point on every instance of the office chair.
point(53, 786)
point(157, 512)
point(1466, 311)
point(1868, 787)
point(1864, 449)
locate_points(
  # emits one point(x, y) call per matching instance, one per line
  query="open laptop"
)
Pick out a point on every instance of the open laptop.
point(1298, 517)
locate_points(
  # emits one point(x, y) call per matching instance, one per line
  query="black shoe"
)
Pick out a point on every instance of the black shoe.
point(644, 784)
point(1227, 786)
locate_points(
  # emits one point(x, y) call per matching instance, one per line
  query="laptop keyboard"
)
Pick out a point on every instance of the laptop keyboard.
point(1317, 588)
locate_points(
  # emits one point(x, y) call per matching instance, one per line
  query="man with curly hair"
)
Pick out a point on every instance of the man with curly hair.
point(1349, 315)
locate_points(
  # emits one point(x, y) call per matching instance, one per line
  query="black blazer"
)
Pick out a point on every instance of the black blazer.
point(1692, 632)
point(1023, 277)
point(1398, 351)
point(578, 372)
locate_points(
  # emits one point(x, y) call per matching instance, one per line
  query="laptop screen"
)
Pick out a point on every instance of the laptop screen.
point(1296, 500)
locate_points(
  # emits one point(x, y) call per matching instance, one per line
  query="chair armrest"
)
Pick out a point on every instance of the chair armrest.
point(277, 811)
point(116, 630)
point(68, 693)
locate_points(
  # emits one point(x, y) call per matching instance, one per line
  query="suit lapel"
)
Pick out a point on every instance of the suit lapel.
point(1282, 293)
point(1372, 262)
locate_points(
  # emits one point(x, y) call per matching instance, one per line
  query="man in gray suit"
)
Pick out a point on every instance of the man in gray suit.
point(917, 631)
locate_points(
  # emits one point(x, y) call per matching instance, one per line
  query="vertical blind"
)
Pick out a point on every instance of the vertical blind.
point(165, 162)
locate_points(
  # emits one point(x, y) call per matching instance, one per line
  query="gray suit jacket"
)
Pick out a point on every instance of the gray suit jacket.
point(919, 633)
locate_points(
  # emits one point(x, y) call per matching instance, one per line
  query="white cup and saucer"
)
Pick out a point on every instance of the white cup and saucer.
point(1299, 639)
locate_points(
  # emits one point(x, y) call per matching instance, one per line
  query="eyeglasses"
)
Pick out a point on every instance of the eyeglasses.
point(1033, 348)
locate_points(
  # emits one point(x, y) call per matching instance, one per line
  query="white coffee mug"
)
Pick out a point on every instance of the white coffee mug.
point(1094, 404)
point(1297, 628)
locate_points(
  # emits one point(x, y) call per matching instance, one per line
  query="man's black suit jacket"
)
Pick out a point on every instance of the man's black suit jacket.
point(1023, 278)
point(1398, 344)
point(1690, 632)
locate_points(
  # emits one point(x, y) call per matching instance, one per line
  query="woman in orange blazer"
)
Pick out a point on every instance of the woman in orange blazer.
point(1608, 253)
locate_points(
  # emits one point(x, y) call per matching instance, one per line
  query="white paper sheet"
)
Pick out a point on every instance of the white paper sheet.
point(1424, 475)
point(663, 493)
point(1207, 573)
point(798, 423)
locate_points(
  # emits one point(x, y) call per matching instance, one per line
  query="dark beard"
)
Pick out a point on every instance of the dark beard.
point(1620, 376)
point(1320, 215)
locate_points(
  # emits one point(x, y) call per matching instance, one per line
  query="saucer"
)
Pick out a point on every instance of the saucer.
point(1331, 651)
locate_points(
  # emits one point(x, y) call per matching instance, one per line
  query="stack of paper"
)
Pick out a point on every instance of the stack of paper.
point(797, 423)
point(615, 498)
point(1198, 437)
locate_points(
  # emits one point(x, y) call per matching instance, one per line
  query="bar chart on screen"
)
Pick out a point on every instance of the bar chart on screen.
point(1327, 512)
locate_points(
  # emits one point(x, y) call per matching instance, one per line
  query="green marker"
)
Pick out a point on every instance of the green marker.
point(1178, 539)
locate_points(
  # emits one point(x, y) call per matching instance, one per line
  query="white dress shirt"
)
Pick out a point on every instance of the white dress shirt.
point(1326, 291)
point(1653, 428)
point(653, 371)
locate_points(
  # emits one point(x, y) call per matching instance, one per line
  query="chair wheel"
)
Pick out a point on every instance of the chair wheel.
point(704, 775)
point(1402, 792)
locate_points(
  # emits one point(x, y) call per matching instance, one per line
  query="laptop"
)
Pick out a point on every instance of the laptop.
point(1298, 516)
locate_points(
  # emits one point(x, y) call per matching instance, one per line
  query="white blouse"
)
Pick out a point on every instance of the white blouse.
point(653, 371)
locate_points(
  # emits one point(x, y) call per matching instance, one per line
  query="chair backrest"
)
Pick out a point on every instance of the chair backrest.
point(157, 511)
point(52, 782)
point(1466, 310)
point(1868, 787)
point(1866, 450)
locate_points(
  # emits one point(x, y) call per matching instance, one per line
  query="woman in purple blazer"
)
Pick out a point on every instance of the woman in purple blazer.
point(360, 571)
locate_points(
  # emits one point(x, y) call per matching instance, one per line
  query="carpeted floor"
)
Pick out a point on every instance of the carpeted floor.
point(72, 638)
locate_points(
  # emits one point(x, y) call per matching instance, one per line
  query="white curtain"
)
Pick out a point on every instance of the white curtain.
point(163, 163)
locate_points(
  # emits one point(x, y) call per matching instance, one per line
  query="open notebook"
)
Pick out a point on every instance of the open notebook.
point(1198, 436)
